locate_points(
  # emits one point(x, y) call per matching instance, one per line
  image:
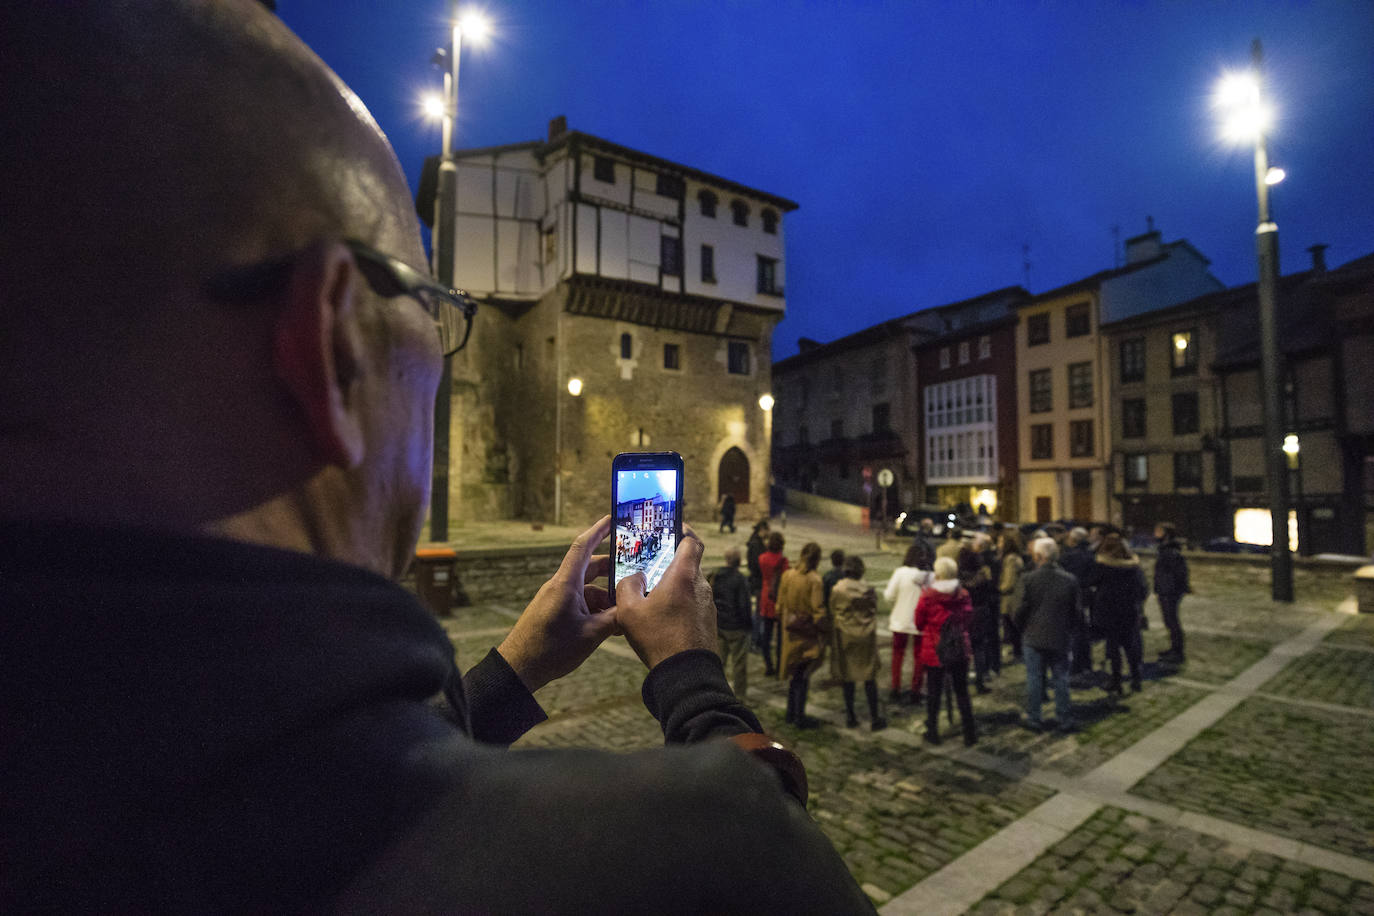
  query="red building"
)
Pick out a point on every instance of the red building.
point(966, 397)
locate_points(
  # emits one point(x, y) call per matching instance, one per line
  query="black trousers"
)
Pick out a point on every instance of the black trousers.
point(1168, 609)
point(953, 678)
point(770, 627)
point(1125, 639)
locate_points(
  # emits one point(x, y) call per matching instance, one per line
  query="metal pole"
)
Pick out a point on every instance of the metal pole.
point(1271, 370)
point(446, 205)
point(558, 422)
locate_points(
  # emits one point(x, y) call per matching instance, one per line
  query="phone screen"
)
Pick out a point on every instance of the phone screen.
point(647, 516)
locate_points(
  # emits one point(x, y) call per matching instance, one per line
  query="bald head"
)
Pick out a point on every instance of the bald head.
point(151, 147)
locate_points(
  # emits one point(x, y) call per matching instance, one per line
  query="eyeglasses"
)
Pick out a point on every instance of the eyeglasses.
point(452, 309)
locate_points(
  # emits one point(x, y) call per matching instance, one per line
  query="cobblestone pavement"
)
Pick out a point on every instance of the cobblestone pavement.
point(1282, 766)
point(1123, 862)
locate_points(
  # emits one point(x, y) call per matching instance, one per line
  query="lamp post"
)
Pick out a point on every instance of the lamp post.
point(1248, 118)
point(445, 206)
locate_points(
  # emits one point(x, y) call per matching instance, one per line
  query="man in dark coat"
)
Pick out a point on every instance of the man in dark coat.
point(1049, 615)
point(1077, 560)
point(1171, 584)
point(215, 698)
point(730, 592)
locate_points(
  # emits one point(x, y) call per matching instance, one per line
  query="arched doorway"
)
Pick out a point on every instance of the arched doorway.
point(734, 475)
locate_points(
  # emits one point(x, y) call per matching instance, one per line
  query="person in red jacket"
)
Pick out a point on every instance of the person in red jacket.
point(772, 564)
point(945, 603)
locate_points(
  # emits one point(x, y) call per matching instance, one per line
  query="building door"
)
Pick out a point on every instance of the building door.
point(1042, 509)
point(1082, 496)
point(734, 475)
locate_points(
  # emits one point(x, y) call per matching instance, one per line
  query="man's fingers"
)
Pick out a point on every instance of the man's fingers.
point(602, 625)
point(580, 553)
point(630, 589)
point(597, 598)
point(687, 560)
point(598, 567)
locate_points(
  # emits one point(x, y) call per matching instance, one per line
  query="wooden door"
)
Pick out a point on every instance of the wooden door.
point(734, 476)
point(1042, 510)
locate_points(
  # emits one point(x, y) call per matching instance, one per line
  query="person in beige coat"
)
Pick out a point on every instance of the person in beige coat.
point(805, 628)
point(854, 605)
point(1013, 566)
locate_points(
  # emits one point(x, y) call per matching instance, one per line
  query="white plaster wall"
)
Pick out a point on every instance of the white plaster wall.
point(619, 192)
point(1178, 278)
point(586, 238)
point(736, 248)
point(644, 234)
point(615, 244)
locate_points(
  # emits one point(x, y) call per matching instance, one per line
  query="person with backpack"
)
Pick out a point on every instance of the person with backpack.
point(903, 591)
point(730, 592)
point(943, 615)
point(772, 564)
point(854, 607)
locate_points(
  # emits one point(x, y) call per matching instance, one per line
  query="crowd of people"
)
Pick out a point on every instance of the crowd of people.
point(960, 608)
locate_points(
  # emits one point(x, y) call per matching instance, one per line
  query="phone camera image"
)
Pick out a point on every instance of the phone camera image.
point(645, 523)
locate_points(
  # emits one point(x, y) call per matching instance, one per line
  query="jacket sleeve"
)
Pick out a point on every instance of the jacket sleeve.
point(816, 591)
point(890, 591)
point(689, 696)
point(1008, 583)
point(742, 595)
point(1024, 608)
point(922, 612)
point(501, 708)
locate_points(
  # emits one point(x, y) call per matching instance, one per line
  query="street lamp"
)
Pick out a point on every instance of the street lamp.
point(1247, 118)
point(766, 401)
point(445, 108)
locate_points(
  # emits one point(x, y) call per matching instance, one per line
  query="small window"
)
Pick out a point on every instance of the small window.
point(708, 264)
point(768, 276)
point(1041, 391)
point(739, 360)
point(1133, 360)
point(1133, 418)
point(669, 186)
point(882, 416)
point(963, 352)
point(603, 169)
point(627, 346)
point(770, 221)
point(708, 201)
point(944, 357)
point(740, 210)
point(1042, 441)
point(1137, 470)
point(1183, 353)
point(1081, 439)
point(1077, 320)
point(1187, 469)
point(1080, 384)
point(1185, 413)
point(1038, 329)
point(670, 255)
point(985, 347)
point(837, 429)
point(672, 356)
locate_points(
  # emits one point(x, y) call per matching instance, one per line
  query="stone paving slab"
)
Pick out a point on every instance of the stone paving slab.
point(1123, 862)
point(1212, 658)
point(1330, 674)
point(1355, 633)
point(1297, 772)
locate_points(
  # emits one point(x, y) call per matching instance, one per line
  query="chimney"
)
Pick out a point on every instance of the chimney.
point(1145, 247)
point(1318, 258)
point(557, 127)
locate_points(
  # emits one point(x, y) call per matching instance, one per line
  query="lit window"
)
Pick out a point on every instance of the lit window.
point(1183, 353)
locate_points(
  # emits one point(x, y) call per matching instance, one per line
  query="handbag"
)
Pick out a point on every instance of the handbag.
point(803, 626)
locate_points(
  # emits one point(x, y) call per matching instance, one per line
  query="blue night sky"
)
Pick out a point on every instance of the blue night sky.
point(925, 142)
point(635, 485)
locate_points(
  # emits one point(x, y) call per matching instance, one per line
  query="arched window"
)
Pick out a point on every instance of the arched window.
point(708, 203)
point(741, 212)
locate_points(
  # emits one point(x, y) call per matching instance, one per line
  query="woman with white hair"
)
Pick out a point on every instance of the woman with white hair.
point(943, 616)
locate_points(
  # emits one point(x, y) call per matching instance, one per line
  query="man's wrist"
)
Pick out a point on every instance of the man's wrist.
point(511, 650)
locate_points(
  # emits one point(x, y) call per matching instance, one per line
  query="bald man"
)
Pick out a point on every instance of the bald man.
point(217, 369)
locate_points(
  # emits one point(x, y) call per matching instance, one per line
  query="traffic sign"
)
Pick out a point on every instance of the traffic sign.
point(885, 478)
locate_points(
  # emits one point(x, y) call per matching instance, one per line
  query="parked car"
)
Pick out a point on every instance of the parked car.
point(908, 522)
point(1228, 545)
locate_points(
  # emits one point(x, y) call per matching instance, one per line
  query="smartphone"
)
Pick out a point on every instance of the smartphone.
point(646, 511)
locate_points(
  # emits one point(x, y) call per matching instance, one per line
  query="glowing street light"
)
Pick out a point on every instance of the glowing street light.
point(766, 401)
point(432, 105)
point(1246, 118)
point(1274, 176)
point(575, 386)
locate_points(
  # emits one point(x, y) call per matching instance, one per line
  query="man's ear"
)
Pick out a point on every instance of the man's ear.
point(317, 350)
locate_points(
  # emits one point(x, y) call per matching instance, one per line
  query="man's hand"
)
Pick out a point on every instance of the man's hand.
point(678, 615)
point(568, 617)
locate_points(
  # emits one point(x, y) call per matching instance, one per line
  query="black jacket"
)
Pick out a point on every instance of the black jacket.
point(730, 591)
point(1118, 590)
point(202, 726)
point(1051, 609)
point(1171, 571)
